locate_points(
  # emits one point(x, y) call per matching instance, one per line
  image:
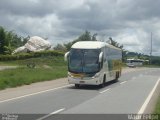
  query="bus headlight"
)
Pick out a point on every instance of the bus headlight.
point(96, 75)
point(69, 74)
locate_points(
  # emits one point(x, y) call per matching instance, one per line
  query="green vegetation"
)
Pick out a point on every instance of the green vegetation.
point(46, 68)
point(154, 61)
point(9, 41)
point(157, 107)
point(23, 56)
point(150, 66)
point(86, 36)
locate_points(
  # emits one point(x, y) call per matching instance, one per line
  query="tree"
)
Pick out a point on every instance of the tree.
point(60, 47)
point(12, 41)
point(68, 45)
point(9, 41)
point(2, 40)
point(94, 37)
point(24, 41)
point(16, 40)
point(84, 37)
point(114, 43)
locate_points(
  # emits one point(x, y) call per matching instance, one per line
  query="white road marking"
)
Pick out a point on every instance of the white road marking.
point(34, 94)
point(105, 90)
point(141, 111)
point(55, 112)
point(123, 82)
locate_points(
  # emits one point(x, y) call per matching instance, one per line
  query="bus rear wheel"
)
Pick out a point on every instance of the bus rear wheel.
point(117, 76)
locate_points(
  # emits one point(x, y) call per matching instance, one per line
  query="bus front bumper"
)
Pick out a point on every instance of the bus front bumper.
point(84, 81)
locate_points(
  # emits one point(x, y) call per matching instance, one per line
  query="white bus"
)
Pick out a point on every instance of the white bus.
point(93, 63)
point(134, 62)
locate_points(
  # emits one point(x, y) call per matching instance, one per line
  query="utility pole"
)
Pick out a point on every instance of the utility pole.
point(151, 51)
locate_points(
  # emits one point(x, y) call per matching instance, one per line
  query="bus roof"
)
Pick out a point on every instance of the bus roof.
point(91, 45)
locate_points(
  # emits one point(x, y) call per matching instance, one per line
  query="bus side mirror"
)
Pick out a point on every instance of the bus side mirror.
point(66, 56)
point(100, 57)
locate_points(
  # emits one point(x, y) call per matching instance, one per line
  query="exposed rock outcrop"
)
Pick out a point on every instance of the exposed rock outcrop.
point(34, 44)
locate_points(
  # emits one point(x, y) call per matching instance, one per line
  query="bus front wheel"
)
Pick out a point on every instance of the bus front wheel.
point(104, 80)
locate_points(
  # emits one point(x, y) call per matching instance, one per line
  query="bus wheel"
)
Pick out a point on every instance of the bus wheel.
point(104, 80)
point(117, 76)
point(77, 85)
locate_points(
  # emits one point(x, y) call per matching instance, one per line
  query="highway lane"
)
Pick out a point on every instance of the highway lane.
point(125, 96)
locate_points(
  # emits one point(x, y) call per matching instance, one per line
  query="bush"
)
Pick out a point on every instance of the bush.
point(22, 56)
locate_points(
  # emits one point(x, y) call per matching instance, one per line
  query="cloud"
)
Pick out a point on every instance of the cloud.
point(129, 22)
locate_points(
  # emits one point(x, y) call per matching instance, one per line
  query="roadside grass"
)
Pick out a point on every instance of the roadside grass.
point(55, 60)
point(48, 68)
point(157, 107)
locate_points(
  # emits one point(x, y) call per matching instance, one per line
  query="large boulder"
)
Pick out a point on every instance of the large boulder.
point(34, 44)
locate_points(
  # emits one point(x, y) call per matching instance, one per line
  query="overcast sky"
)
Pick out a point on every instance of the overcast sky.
point(129, 22)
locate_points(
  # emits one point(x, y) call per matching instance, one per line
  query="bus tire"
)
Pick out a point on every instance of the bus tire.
point(104, 80)
point(77, 85)
point(117, 76)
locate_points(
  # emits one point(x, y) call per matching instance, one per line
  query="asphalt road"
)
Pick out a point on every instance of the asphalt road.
point(130, 95)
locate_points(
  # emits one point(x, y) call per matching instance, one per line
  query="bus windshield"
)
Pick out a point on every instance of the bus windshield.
point(84, 60)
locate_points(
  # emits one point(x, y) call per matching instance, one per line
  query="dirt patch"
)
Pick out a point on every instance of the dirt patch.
point(7, 67)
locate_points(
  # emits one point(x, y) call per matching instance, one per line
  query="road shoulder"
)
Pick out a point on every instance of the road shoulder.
point(30, 89)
